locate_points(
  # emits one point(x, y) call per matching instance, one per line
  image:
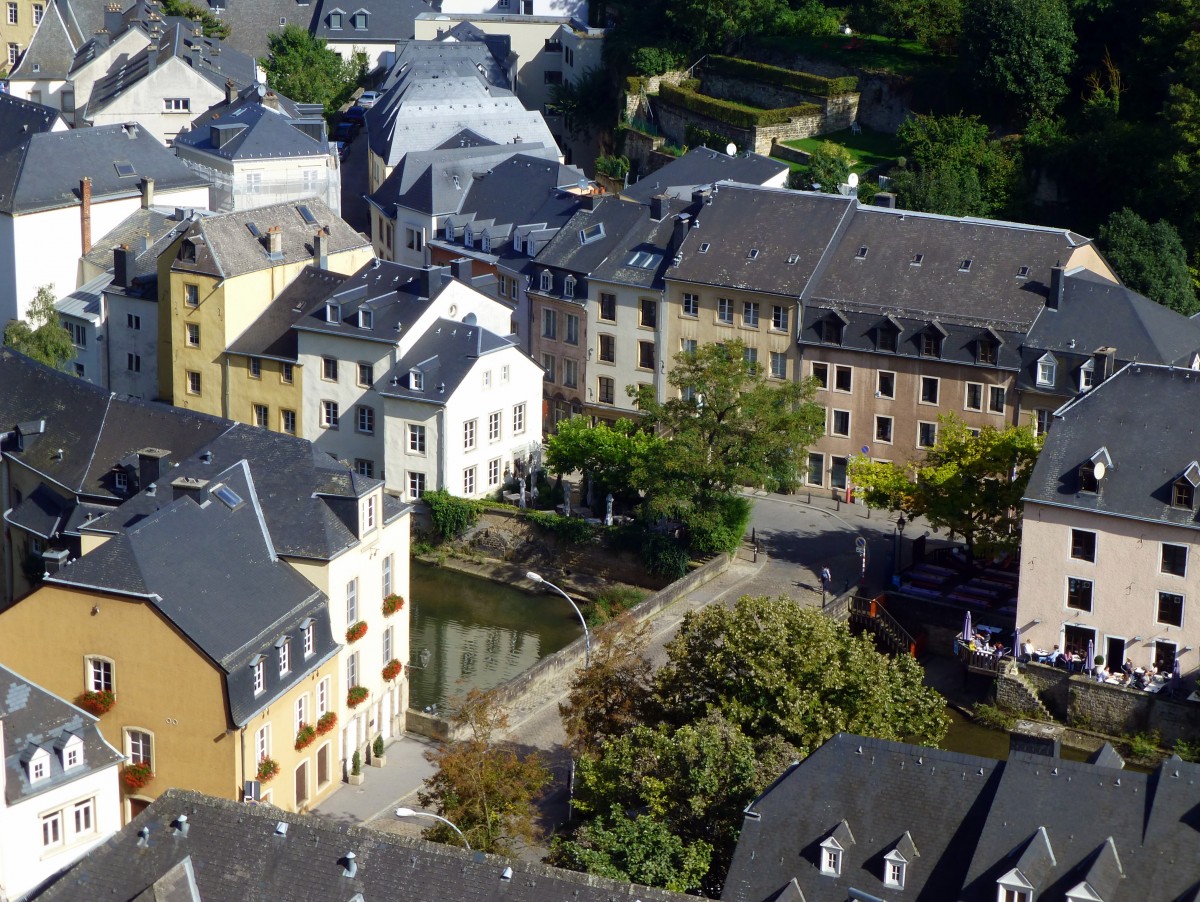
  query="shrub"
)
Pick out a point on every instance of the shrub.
point(356, 695)
point(326, 722)
point(697, 137)
point(356, 631)
point(718, 526)
point(805, 82)
point(268, 769)
point(574, 530)
point(392, 669)
point(451, 516)
point(419, 547)
point(392, 604)
point(98, 703)
point(1187, 751)
point(612, 602)
point(616, 167)
point(655, 60)
point(305, 736)
point(135, 776)
point(1144, 745)
point(736, 114)
point(1098, 660)
point(993, 718)
point(664, 556)
point(356, 764)
point(377, 747)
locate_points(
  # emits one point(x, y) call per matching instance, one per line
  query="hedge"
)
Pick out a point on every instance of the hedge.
point(735, 114)
point(787, 78)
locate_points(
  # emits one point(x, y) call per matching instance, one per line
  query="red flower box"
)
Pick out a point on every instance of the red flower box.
point(356, 696)
point(326, 722)
point(268, 768)
point(135, 776)
point(356, 632)
point(98, 703)
point(305, 736)
point(392, 669)
point(392, 604)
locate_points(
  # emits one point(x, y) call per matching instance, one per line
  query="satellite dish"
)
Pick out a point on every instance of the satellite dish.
point(1100, 469)
point(731, 148)
point(582, 184)
point(852, 181)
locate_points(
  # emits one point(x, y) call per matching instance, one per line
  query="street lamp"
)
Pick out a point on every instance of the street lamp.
point(900, 524)
point(409, 812)
point(587, 637)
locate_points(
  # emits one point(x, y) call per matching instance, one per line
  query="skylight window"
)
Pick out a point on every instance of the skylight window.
point(862, 253)
point(793, 259)
point(228, 497)
point(591, 233)
point(704, 247)
point(254, 230)
point(124, 169)
point(1023, 272)
point(965, 265)
point(753, 255)
point(642, 259)
point(917, 259)
point(307, 214)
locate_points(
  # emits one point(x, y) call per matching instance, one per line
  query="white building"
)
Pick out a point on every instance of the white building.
point(577, 9)
point(61, 796)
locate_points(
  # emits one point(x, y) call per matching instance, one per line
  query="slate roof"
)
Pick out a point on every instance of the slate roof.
point(1144, 417)
point(93, 429)
point(702, 167)
point(780, 225)
point(34, 718)
point(59, 160)
point(227, 247)
point(395, 294)
point(52, 49)
point(252, 22)
point(972, 820)
point(239, 853)
point(444, 355)
point(42, 513)
point(435, 90)
point(387, 22)
point(148, 231)
point(19, 121)
point(271, 127)
point(85, 301)
point(210, 568)
point(271, 335)
point(1094, 313)
point(206, 56)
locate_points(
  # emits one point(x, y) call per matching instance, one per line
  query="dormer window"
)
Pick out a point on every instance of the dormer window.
point(335, 21)
point(832, 328)
point(72, 752)
point(259, 667)
point(333, 313)
point(931, 344)
point(121, 482)
point(832, 847)
point(359, 20)
point(831, 862)
point(569, 287)
point(449, 231)
point(985, 351)
point(368, 514)
point(519, 243)
point(309, 628)
point(893, 874)
point(39, 766)
point(284, 647)
point(366, 318)
point(1047, 371)
point(187, 251)
point(416, 380)
point(1087, 375)
point(469, 236)
point(895, 862)
point(485, 243)
point(1183, 492)
point(887, 335)
point(1087, 478)
point(546, 280)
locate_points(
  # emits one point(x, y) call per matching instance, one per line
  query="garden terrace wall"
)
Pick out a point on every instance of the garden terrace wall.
point(558, 667)
point(763, 73)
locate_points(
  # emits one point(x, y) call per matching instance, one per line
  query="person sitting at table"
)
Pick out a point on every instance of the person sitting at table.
point(1027, 652)
point(1151, 672)
point(1100, 672)
point(1128, 667)
point(1057, 658)
point(1140, 680)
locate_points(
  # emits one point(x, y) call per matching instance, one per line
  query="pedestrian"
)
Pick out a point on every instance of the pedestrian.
point(826, 577)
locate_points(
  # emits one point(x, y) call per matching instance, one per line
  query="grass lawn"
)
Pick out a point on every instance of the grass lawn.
point(860, 51)
point(869, 148)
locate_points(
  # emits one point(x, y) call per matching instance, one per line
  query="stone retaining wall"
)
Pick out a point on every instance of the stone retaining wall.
point(558, 667)
point(791, 154)
point(838, 113)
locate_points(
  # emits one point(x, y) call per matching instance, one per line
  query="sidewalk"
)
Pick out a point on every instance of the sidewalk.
point(385, 788)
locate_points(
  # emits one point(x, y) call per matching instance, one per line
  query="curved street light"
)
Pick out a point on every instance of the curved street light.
point(587, 636)
point(409, 812)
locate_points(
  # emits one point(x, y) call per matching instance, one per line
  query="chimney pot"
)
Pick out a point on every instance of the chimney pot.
point(658, 207)
point(122, 266)
point(1054, 298)
point(147, 192)
point(461, 269)
point(85, 214)
point(683, 222)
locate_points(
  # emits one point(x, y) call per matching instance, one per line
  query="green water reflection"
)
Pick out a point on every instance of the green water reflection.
point(477, 633)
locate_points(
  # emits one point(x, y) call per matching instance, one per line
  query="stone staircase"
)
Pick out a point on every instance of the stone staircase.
point(1016, 693)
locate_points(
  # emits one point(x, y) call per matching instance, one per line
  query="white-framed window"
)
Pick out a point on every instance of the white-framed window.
point(504, 371)
point(72, 753)
point(14, 51)
point(193, 335)
point(831, 862)
point(469, 435)
point(893, 874)
point(177, 105)
point(416, 485)
point(469, 481)
point(1083, 545)
point(388, 644)
point(139, 746)
point(287, 421)
point(1173, 560)
point(12, 13)
point(1087, 375)
point(1170, 609)
point(366, 372)
point(839, 423)
point(1047, 371)
point(691, 304)
point(39, 766)
point(779, 317)
point(883, 429)
point(996, 399)
point(885, 384)
point(323, 696)
point(973, 399)
point(352, 602)
point(364, 467)
point(1012, 894)
point(493, 478)
point(52, 825)
point(329, 414)
point(368, 513)
point(285, 657)
point(254, 182)
point(546, 280)
point(352, 671)
point(749, 357)
point(725, 311)
point(487, 379)
point(262, 741)
point(926, 434)
point(569, 287)
point(262, 415)
point(386, 576)
point(494, 426)
point(1079, 593)
point(99, 674)
point(84, 816)
point(39, 10)
point(750, 314)
point(931, 389)
point(778, 365)
point(302, 711)
point(310, 638)
point(518, 419)
point(843, 378)
point(329, 369)
point(286, 373)
point(255, 368)
point(416, 439)
point(191, 295)
point(259, 667)
point(366, 420)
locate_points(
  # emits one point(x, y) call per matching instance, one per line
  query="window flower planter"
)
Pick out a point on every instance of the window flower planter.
point(135, 776)
point(98, 703)
point(356, 696)
point(268, 768)
point(357, 631)
point(392, 669)
point(326, 722)
point(392, 604)
point(305, 736)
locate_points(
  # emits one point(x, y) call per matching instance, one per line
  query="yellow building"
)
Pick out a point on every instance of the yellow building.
point(215, 651)
point(216, 281)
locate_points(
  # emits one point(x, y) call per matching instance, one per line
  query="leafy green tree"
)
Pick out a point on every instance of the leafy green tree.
point(1150, 259)
point(613, 455)
point(960, 170)
point(949, 190)
point(588, 104)
point(1020, 52)
point(705, 26)
point(213, 26)
point(41, 334)
point(775, 669)
point(968, 484)
point(830, 166)
point(935, 23)
point(486, 789)
point(303, 68)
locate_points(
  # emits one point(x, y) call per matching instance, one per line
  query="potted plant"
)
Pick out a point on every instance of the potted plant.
point(268, 768)
point(356, 696)
point(392, 603)
point(98, 703)
point(378, 758)
point(326, 722)
point(136, 775)
point(356, 631)
point(392, 669)
point(356, 774)
point(305, 736)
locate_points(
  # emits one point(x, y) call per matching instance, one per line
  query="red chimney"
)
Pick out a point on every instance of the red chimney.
point(85, 214)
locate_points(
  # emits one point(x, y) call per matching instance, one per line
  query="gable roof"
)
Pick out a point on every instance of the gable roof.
point(20, 120)
point(1150, 445)
point(252, 22)
point(271, 335)
point(260, 124)
point(34, 718)
point(701, 167)
point(444, 355)
point(388, 22)
point(241, 852)
point(50, 51)
point(147, 231)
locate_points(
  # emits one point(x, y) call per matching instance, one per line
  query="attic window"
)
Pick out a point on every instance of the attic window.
point(546, 280)
point(917, 260)
point(862, 253)
point(416, 380)
point(793, 259)
point(359, 20)
point(1022, 272)
point(1047, 370)
point(893, 874)
point(366, 318)
point(965, 265)
point(1087, 478)
point(1183, 492)
point(124, 169)
point(1087, 375)
point(642, 259)
point(335, 21)
point(753, 255)
point(333, 313)
point(37, 67)
point(306, 214)
point(569, 287)
point(39, 766)
point(704, 247)
point(121, 482)
point(449, 229)
point(72, 753)
point(228, 497)
point(469, 236)
point(485, 243)
point(591, 233)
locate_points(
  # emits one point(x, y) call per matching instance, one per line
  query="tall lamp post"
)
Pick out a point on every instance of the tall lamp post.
point(587, 636)
point(409, 812)
point(900, 524)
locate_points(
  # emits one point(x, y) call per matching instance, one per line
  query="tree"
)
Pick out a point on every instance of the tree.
point(969, 484)
point(1020, 52)
point(611, 696)
point(213, 27)
point(775, 669)
point(612, 455)
point(830, 166)
point(960, 171)
point(1150, 259)
point(711, 26)
point(303, 68)
point(728, 427)
point(41, 334)
point(485, 789)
